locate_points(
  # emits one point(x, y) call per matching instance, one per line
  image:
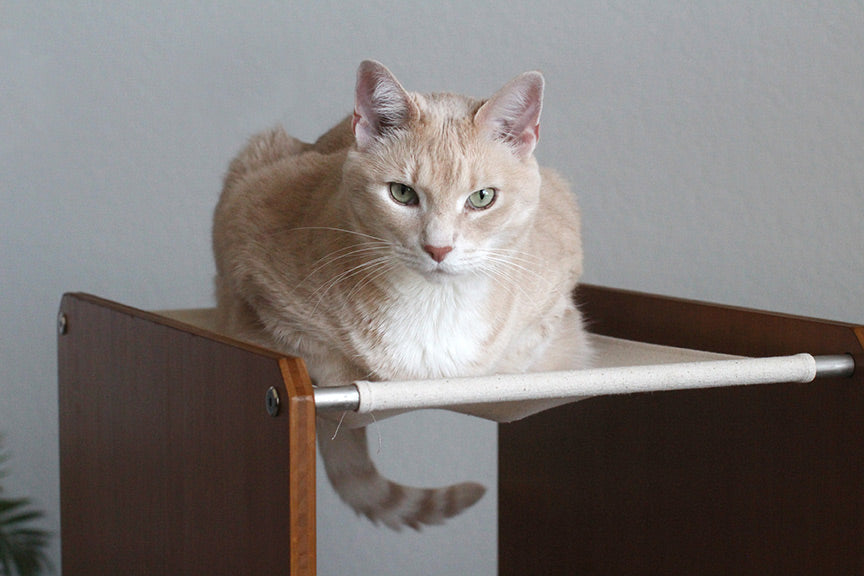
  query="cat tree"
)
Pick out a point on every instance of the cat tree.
point(187, 452)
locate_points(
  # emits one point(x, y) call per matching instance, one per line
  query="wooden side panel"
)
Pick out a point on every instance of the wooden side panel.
point(712, 327)
point(759, 480)
point(170, 463)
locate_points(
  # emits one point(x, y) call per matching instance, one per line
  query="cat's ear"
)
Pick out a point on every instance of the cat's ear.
point(512, 115)
point(380, 103)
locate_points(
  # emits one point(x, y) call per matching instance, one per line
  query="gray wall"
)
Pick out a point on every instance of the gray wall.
point(717, 149)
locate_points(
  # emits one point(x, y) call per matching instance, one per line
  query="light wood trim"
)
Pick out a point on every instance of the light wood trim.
point(301, 416)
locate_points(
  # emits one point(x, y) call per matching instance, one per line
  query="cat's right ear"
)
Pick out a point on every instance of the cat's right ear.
point(380, 103)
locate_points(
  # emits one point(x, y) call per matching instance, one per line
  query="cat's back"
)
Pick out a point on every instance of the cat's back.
point(276, 171)
point(276, 152)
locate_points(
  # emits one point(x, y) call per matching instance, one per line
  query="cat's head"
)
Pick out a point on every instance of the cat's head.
point(449, 182)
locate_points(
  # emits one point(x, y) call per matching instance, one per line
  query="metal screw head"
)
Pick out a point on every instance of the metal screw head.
point(62, 324)
point(272, 401)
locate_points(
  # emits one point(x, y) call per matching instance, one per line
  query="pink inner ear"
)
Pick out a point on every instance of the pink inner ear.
point(524, 143)
point(529, 139)
point(380, 103)
point(512, 115)
point(364, 133)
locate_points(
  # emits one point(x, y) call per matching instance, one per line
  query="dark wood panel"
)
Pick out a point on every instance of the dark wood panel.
point(170, 463)
point(758, 480)
point(713, 327)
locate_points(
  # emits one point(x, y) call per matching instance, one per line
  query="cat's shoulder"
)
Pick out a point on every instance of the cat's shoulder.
point(558, 217)
point(555, 193)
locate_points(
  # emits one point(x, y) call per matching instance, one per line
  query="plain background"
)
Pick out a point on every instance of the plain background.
point(717, 149)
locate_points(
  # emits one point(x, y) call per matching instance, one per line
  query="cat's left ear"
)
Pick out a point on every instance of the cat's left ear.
point(512, 115)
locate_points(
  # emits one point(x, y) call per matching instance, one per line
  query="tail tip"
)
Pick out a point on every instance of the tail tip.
point(468, 494)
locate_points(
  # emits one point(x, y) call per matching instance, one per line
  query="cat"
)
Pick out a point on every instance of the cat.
point(418, 238)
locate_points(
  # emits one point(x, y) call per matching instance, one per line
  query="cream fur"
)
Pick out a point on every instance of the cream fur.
point(314, 257)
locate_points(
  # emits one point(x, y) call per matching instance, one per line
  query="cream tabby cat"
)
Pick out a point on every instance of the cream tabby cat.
point(416, 239)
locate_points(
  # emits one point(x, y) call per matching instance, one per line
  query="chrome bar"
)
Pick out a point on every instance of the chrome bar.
point(337, 398)
point(837, 366)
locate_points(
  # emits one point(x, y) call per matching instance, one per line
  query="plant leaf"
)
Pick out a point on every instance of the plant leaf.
point(22, 547)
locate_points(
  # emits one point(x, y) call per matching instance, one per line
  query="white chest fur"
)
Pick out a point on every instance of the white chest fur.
point(430, 329)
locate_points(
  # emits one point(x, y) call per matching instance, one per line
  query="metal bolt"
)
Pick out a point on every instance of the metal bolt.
point(272, 401)
point(62, 324)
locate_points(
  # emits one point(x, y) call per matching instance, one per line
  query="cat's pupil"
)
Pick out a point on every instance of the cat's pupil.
point(403, 194)
point(481, 198)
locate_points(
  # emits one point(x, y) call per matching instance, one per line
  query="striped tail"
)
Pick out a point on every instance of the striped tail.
point(354, 477)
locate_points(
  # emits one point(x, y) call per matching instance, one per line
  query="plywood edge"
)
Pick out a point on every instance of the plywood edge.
point(301, 413)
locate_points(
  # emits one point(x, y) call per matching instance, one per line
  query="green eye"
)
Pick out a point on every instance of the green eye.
point(481, 198)
point(403, 194)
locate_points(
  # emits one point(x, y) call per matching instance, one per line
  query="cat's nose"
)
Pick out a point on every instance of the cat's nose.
point(438, 253)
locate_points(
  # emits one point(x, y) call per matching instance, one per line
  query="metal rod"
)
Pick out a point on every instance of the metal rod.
point(838, 366)
point(347, 398)
point(337, 399)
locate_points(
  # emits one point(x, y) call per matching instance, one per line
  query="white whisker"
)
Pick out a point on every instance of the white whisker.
point(334, 229)
point(322, 291)
point(375, 274)
point(512, 259)
point(504, 278)
point(342, 254)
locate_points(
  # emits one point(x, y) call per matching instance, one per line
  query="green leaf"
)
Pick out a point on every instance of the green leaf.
point(22, 547)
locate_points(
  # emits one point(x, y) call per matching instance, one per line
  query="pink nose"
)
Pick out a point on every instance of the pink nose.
point(438, 253)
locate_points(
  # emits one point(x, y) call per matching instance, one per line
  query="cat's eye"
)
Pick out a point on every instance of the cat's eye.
point(481, 198)
point(403, 194)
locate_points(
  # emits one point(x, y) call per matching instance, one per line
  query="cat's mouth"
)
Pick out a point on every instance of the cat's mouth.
point(438, 271)
point(441, 271)
point(445, 271)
